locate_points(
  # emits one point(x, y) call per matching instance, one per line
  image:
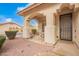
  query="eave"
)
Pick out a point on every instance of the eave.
point(22, 12)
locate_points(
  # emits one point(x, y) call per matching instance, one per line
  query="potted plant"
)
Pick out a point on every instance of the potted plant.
point(34, 31)
point(11, 34)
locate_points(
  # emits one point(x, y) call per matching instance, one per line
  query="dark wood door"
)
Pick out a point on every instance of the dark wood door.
point(66, 26)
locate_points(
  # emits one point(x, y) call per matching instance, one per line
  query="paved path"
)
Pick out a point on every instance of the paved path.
point(21, 47)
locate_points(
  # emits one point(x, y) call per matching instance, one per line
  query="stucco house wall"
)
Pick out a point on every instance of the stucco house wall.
point(9, 26)
point(51, 13)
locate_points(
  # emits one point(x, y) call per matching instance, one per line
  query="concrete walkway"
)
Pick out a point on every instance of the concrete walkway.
point(66, 48)
point(22, 47)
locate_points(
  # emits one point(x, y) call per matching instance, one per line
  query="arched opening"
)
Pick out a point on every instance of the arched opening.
point(64, 17)
point(37, 24)
point(34, 26)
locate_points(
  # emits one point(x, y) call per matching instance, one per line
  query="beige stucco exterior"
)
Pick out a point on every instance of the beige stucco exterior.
point(48, 14)
point(9, 26)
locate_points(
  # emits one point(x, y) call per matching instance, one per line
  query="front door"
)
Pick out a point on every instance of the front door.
point(66, 26)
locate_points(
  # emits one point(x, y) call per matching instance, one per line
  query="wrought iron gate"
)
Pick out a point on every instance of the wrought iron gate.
point(66, 26)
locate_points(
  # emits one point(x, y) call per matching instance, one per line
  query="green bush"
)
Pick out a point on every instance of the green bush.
point(11, 34)
point(34, 31)
point(2, 40)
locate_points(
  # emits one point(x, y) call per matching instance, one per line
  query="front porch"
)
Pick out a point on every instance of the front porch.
point(50, 23)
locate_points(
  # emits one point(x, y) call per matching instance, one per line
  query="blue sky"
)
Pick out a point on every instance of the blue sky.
point(8, 12)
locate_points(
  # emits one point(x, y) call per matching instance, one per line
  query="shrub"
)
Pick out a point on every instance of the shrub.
point(34, 31)
point(11, 34)
point(2, 40)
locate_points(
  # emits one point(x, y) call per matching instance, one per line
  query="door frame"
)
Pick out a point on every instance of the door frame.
point(71, 26)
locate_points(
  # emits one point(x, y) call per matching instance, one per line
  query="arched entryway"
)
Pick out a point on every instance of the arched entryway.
point(40, 19)
point(64, 22)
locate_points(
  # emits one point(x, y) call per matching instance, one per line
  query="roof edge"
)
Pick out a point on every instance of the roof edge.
point(28, 8)
point(10, 23)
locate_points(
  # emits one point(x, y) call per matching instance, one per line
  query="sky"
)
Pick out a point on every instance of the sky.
point(8, 13)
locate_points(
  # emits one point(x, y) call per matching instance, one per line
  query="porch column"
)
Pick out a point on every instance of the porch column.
point(50, 29)
point(40, 27)
point(26, 30)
